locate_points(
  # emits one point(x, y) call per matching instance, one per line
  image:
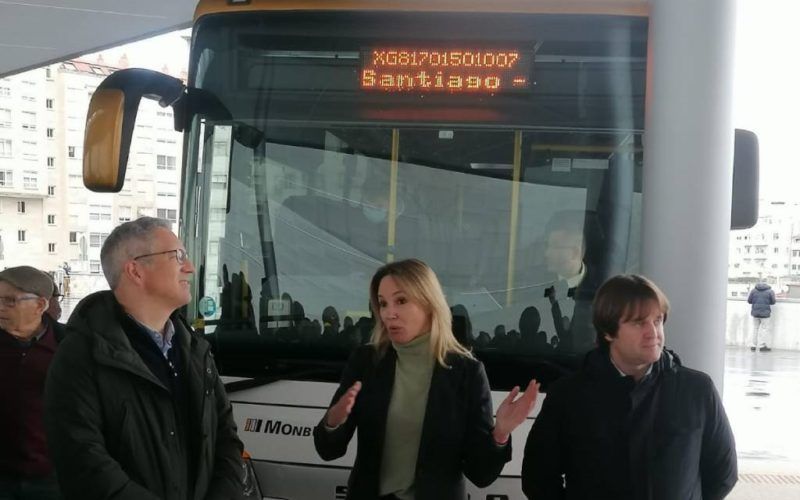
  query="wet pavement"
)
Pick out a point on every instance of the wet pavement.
point(762, 399)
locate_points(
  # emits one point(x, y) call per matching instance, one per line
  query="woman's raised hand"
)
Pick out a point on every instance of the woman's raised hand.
point(338, 413)
point(513, 411)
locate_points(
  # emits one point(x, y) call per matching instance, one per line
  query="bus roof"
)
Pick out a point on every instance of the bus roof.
point(637, 8)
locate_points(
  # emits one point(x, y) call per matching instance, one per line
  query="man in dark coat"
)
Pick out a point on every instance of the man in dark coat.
point(28, 339)
point(761, 298)
point(633, 423)
point(135, 408)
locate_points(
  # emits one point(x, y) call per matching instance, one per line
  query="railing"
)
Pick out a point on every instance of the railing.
point(784, 323)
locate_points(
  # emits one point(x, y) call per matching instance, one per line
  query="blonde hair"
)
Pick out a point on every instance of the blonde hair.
point(422, 286)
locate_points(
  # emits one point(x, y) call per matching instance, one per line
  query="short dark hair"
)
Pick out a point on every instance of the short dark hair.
point(621, 298)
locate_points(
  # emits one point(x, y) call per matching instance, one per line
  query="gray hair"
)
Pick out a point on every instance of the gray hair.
point(127, 241)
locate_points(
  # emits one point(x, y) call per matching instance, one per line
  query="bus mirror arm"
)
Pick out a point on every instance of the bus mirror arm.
point(204, 103)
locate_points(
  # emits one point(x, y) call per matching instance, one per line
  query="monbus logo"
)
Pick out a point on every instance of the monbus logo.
point(276, 427)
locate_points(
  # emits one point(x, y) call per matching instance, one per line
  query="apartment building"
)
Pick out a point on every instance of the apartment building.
point(48, 219)
point(769, 251)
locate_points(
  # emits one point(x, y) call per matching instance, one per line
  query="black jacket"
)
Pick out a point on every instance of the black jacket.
point(675, 444)
point(112, 426)
point(456, 436)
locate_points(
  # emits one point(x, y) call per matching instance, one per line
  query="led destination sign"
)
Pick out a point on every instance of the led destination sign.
point(450, 70)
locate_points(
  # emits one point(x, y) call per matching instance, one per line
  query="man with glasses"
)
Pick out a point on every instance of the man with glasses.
point(28, 339)
point(135, 408)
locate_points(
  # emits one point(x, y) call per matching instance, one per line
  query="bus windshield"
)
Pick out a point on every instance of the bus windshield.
point(503, 150)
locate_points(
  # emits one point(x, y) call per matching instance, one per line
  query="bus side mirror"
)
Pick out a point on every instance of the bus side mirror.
point(744, 202)
point(111, 119)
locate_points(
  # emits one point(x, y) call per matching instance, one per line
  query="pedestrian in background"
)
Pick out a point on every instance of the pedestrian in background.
point(761, 298)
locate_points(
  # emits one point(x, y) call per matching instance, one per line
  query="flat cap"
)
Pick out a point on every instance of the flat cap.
point(28, 279)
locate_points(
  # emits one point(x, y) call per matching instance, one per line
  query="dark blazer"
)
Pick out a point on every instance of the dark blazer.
point(456, 438)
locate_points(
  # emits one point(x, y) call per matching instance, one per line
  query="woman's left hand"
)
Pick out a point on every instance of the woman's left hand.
point(511, 413)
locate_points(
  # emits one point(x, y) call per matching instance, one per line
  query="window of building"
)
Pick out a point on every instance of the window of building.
point(51, 248)
point(775, 250)
point(21, 207)
point(164, 162)
point(166, 189)
point(124, 213)
point(51, 219)
point(73, 236)
point(6, 178)
point(5, 91)
point(30, 180)
point(776, 236)
point(51, 133)
point(5, 118)
point(99, 212)
point(51, 190)
point(71, 151)
point(48, 73)
point(29, 98)
point(48, 103)
point(5, 148)
point(94, 266)
point(21, 235)
point(96, 240)
point(28, 120)
point(169, 214)
point(51, 162)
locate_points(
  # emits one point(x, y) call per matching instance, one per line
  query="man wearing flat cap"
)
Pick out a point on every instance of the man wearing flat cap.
point(28, 339)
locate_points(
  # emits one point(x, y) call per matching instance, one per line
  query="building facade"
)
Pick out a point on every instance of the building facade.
point(48, 219)
point(769, 251)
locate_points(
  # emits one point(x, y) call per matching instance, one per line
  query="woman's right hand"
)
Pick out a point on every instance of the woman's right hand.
point(338, 413)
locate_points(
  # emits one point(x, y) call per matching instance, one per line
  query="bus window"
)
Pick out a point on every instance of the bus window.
point(519, 184)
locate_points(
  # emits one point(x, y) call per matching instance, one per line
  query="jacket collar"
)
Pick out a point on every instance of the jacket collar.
point(98, 316)
point(598, 363)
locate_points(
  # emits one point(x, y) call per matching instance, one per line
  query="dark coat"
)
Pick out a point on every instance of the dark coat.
point(761, 298)
point(112, 425)
point(456, 438)
point(676, 445)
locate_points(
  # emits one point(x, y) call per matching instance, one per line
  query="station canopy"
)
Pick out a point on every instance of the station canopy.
point(34, 33)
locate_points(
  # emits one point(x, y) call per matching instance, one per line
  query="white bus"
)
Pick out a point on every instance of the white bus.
point(501, 142)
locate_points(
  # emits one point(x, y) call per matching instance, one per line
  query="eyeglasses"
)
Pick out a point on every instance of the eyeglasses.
point(180, 255)
point(58, 297)
point(12, 301)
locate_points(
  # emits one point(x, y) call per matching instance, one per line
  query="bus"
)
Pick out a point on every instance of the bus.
point(526, 150)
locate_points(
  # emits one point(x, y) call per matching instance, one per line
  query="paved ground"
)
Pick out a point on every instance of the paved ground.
point(762, 398)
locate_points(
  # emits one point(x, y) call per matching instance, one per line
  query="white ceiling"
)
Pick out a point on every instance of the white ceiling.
point(37, 32)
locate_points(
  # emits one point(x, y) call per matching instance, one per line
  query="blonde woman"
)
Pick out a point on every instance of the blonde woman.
point(419, 399)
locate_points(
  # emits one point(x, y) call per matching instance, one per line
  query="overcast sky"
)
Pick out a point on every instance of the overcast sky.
point(767, 90)
point(766, 87)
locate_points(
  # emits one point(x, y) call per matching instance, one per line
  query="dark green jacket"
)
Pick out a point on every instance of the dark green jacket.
point(111, 424)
